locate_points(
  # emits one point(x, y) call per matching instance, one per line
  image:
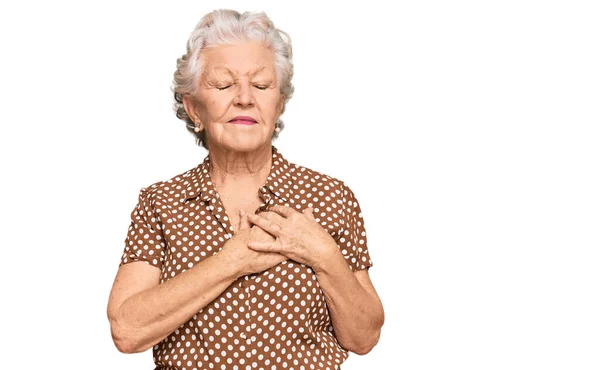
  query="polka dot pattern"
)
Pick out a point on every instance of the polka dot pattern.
point(276, 319)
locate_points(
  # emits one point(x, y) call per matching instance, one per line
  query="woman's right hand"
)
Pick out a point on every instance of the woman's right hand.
point(246, 260)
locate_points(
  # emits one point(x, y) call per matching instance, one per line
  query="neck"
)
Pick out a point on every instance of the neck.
point(240, 169)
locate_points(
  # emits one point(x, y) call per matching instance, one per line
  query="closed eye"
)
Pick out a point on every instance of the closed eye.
point(223, 88)
point(261, 87)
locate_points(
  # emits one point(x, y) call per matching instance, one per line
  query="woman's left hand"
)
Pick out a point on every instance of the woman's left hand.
point(298, 236)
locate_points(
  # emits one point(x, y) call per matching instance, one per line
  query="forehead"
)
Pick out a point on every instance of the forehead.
point(239, 59)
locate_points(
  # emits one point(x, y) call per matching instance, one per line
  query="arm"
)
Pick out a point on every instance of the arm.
point(354, 306)
point(142, 312)
point(355, 309)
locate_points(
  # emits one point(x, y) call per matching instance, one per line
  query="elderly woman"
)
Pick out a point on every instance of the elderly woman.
point(246, 261)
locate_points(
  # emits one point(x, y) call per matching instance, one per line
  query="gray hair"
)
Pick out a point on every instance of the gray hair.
point(226, 27)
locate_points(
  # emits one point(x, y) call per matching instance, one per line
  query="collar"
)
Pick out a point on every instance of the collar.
point(279, 181)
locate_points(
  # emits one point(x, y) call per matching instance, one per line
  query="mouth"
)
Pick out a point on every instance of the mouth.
point(243, 120)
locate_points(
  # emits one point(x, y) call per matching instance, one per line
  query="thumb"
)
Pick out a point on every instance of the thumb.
point(244, 222)
point(309, 212)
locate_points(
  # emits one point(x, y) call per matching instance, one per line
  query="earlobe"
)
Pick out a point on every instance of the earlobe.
point(198, 125)
point(188, 105)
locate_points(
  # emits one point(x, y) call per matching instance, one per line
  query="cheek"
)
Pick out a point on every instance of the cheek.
point(214, 107)
point(271, 103)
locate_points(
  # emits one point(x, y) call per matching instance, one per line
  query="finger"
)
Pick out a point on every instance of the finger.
point(270, 215)
point(244, 223)
point(259, 246)
point(309, 213)
point(265, 224)
point(283, 210)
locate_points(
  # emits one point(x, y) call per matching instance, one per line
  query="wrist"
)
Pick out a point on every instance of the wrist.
point(229, 264)
point(330, 256)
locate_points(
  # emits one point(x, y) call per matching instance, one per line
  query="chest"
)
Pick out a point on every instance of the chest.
point(199, 228)
point(233, 203)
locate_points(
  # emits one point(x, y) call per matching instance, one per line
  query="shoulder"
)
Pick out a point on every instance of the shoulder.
point(316, 181)
point(171, 188)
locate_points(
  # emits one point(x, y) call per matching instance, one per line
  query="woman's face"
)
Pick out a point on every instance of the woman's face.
point(237, 80)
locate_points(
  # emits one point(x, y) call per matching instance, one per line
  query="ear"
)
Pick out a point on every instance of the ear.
point(189, 104)
point(281, 101)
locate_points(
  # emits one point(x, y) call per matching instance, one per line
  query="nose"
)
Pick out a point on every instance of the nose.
point(244, 94)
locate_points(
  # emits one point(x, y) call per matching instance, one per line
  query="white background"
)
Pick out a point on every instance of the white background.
point(467, 129)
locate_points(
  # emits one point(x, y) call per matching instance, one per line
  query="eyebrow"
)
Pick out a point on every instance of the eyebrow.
point(255, 71)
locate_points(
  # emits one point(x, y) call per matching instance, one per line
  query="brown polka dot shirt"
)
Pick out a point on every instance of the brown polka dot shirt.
point(277, 319)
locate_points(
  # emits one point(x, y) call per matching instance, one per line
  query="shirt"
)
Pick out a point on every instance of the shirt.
point(277, 319)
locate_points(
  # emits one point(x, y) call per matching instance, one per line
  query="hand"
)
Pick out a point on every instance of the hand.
point(298, 236)
point(246, 260)
point(256, 233)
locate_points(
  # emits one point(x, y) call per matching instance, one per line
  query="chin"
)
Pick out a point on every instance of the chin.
point(247, 144)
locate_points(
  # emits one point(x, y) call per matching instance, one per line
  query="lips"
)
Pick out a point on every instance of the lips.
point(243, 120)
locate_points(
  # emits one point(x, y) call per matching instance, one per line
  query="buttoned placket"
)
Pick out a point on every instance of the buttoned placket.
point(245, 284)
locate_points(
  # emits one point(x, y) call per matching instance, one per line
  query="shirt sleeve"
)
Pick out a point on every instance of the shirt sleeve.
point(145, 240)
point(353, 237)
